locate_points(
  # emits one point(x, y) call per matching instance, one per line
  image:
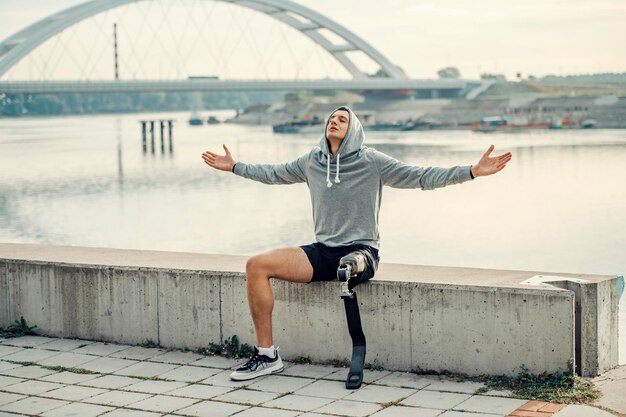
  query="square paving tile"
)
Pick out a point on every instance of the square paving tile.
point(29, 355)
point(5, 350)
point(5, 366)
point(498, 393)
point(7, 397)
point(349, 408)
point(74, 393)
point(406, 380)
point(29, 372)
point(575, 410)
point(106, 365)
point(280, 384)
point(368, 376)
point(398, 411)
point(5, 414)
point(466, 387)
point(219, 362)
point(325, 389)
point(202, 392)
point(101, 349)
point(34, 405)
point(189, 373)
point(435, 399)
point(78, 410)
point(164, 403)
point(117, 398)
point(267, 412)
point(177, 357)
point(28, 340)
point(110, 382)
point(298, 402)
point(245, 396)
point(155, 387)
point(309, 371)
point(223, 380)
point(69, 377)
point(211, 409)
point(372, 376)
point(490, 405)
point(32, 387)
point(147, 369)
point(68, 360)
point(379, 394)
point(541, 406)
point(122, 412)
point(340, 374)
point(64, 345)
point(5, 381)
point(463, 414)
point(137, 353)
point(314, 415)
point(618, 373)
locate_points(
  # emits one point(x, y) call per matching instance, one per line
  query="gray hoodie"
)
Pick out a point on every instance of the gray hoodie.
point(346, 188)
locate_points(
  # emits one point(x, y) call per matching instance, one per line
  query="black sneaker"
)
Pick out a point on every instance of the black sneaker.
point(258, 365)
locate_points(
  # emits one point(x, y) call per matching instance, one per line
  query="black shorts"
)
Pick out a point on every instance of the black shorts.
point(325, 260)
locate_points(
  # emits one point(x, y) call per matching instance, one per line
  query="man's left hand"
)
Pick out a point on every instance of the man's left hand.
point(489, 165)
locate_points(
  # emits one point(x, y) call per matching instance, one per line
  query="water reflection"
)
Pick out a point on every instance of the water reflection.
point(120, 167)
point(560, 206)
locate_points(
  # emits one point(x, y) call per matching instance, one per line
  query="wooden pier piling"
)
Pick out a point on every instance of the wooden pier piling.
point(144, 135)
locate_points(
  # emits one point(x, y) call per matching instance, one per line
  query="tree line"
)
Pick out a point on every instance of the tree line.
point(16, 105)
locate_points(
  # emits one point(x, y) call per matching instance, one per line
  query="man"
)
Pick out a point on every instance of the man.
point(345, 213)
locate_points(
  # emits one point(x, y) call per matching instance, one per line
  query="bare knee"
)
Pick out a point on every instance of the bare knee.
point(257, 267)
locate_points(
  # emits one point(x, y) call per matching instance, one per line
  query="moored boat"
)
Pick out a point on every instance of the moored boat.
point(195, 120)
point(299, 126)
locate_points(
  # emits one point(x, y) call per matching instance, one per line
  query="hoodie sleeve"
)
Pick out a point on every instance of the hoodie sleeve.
point(289, 173)
point(400, 175)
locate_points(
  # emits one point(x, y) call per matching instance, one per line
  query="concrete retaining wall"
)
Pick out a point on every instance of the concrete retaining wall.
point(455, 319)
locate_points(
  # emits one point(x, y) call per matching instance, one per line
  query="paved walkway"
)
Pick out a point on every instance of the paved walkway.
point(612, 384)
point(38, 376)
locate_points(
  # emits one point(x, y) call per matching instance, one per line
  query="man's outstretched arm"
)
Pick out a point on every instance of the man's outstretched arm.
point(400, 175)
point(290, 173)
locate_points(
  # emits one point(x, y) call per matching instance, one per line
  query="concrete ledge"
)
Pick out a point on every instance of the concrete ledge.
point(473, 321)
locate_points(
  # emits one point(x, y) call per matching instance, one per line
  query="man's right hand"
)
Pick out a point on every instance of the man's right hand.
point(221, 162)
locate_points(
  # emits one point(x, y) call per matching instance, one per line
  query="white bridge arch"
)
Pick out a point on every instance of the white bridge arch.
point(303, 19)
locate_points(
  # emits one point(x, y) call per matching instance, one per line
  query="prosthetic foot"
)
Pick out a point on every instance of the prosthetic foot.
point(350, 267)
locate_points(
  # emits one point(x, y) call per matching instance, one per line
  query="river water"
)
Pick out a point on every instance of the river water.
point(560, 205)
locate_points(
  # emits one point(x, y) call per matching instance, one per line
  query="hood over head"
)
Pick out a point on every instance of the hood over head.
point(353, 140)
point(351, 143)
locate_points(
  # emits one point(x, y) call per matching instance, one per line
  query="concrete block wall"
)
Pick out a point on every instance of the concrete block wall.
point(596, 324)
point(444, 319)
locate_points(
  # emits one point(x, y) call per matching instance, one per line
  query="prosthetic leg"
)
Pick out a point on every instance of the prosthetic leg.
point(350, 267)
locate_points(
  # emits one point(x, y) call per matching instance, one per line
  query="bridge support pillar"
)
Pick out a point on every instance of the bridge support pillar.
point(161, 128)
point(144, 144)
point(169, 128)
point(152, 136)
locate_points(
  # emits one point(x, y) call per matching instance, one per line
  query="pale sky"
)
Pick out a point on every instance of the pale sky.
point(535, 37)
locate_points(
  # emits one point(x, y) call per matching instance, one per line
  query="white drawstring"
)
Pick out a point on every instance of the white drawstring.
point(328, 183)
point(337, 181)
